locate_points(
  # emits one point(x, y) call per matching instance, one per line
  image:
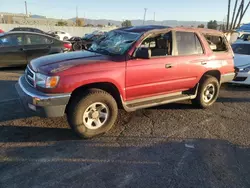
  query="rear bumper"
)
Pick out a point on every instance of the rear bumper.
point(227, 77)
point(41, 104)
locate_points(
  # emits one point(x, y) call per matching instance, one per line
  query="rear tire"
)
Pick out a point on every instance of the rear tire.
point(77, 46)
point(208, 92)
point(93, 113)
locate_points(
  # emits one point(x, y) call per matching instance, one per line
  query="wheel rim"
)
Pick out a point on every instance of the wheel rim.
point(96, 115)
point(77, 47)
point(209, 93)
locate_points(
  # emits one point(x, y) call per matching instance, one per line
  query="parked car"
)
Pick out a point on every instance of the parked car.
point(18, 48)
point(61, 35)
point(132, 68)
point(1, 31)
point(242, 62)
point(30, 29)
point(244, 37)
point(85, 42)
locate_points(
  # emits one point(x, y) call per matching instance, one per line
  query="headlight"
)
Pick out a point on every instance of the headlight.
point(46, 81)
point(246, 69)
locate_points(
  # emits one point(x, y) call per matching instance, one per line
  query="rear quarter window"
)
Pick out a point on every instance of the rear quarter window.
point(216, 43)
point(188, 43)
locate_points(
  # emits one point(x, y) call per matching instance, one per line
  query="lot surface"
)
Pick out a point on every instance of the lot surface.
point(173, 145)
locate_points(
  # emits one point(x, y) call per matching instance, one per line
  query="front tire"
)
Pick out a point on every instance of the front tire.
point(92, 114)
point(208, 92)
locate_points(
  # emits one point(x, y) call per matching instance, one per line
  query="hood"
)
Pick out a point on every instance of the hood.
point(78, 57)
point(241, 60)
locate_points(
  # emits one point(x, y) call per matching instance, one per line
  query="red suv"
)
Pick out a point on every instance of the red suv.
point(131, 68)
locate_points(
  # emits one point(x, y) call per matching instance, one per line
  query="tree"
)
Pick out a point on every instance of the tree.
point(212, 24)
point(109, 24)
point(79, 22)
point(201, 26)
point(89, 25)
point(61, 23)
point(126, 23)
point(100, 25)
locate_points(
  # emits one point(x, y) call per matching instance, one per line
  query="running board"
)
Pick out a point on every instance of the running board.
point(158, 100)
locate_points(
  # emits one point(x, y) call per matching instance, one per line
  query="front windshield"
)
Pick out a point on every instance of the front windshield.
point(241, 49)
point(114, 43)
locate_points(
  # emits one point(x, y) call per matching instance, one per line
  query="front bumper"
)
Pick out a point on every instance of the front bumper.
point(41, 104)
point(242, 78)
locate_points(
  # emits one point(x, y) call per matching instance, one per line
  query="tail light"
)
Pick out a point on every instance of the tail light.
point(67, 45)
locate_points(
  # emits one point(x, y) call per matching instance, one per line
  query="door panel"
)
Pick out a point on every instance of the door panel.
point(11, 50)
point(149, 77)
point(37, 46)
point(35, 51)
point(12, 56)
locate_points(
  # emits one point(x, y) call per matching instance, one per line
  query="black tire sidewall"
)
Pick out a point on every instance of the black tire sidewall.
point(76, 114)
point(206, 81)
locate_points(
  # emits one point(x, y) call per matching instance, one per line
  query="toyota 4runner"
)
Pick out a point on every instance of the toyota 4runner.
point(131, 68)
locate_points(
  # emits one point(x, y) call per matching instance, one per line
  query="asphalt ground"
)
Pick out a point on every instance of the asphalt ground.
point(174, 145)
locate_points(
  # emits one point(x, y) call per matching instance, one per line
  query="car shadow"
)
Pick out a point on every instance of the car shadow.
point(17, 69)
point(235, 87)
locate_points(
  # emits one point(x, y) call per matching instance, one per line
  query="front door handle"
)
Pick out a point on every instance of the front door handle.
point(203, 62)
point(168, 66)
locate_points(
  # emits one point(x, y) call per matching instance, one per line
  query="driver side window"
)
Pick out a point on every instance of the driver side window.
point(158, 45)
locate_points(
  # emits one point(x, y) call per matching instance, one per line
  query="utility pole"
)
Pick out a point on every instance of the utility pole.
point(235, 6)
point(145, 12)
point(26, 9)
point(76, 15)
point(244, 12)
point(237, 15)
point(154, 16)
point(228, 13)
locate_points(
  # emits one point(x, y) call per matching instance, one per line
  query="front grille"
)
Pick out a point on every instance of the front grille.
point(29, 73)
point(240, 79)
point(30, 76)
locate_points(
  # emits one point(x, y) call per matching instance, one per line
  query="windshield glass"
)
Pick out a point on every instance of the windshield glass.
point(245, 37)
point(89, 36)
point(241, 49)
point(114, 43)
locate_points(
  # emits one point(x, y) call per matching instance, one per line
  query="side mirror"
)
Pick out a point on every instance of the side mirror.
point(143, 53)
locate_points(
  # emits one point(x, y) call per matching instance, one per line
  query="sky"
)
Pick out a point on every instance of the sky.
point(182, 10)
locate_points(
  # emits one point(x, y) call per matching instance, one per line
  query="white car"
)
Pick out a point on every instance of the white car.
point(61, 35)
point(242, 62)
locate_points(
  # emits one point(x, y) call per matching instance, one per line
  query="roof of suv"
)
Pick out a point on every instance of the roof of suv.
point(148, 28)
point(142, 29)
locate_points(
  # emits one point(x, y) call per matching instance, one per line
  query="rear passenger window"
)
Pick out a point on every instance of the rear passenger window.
point(188, 43)
point(216, 43)
point(37, 39)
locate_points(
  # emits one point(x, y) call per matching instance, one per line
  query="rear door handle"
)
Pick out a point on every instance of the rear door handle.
point(203, 62)
point(168, 66)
